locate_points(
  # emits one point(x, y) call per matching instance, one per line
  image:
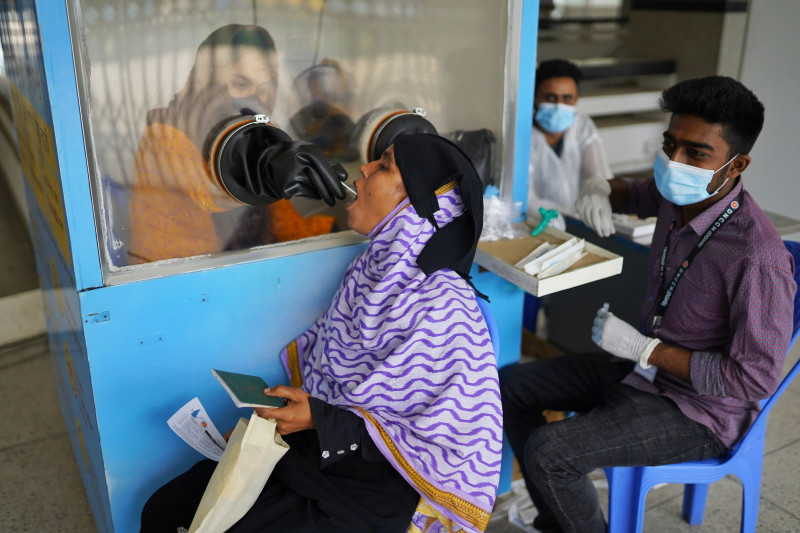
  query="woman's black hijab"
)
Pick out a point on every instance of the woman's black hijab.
point(427, 162)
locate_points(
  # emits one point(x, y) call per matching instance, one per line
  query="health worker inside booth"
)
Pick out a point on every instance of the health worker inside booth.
point(176, 207)
point(158, 109)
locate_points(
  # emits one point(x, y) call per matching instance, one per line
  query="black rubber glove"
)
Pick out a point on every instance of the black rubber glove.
point(302, 169)
point(261, 164)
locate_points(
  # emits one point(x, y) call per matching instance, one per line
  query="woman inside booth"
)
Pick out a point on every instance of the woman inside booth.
point(393, 414)
point(176, 209)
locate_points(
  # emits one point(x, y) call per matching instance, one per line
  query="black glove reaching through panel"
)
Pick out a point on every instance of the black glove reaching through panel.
point(258, 163)
point(302, 169)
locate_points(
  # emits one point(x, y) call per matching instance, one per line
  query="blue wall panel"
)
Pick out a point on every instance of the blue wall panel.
point(153, 343)
point(71, 154)
point(71, 365)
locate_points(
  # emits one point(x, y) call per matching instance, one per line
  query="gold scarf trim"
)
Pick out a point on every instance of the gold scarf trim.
point(293, 362)
point(434, 517)
point(465, 510)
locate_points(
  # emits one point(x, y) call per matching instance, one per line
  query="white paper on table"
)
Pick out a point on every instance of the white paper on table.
point(192, 424)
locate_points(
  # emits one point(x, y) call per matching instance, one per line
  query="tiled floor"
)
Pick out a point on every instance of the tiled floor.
point(40, 488)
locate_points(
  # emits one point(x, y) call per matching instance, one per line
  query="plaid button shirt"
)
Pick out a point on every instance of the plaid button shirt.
point(732, 308)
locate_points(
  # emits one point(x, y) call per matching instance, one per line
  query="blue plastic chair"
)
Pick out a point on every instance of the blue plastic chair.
point(494, 335)
point(628, 486)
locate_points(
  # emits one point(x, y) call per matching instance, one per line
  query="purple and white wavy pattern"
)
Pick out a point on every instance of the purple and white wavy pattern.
point(414, 352)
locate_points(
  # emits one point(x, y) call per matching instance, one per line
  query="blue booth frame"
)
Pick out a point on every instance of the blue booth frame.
point(126, 356)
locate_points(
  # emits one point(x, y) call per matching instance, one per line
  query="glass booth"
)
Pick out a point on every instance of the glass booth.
point(158, 77)
point(151, 276)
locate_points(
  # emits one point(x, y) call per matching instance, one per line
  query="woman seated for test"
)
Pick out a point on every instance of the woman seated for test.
point(393, 414)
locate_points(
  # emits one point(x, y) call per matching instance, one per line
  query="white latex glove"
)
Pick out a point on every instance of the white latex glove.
point(621, 339)
point(559, 223)
point(594, 207)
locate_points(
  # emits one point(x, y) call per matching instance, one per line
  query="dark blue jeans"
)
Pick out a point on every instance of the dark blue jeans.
point(615, 425)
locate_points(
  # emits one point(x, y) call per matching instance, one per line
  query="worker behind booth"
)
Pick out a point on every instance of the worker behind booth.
point(715, 326)
point(325, 92)
point(566, 155)
point(566, 149)
point(393, 413)
point(176, 209)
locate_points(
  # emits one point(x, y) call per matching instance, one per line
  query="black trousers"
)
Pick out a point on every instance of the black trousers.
point(351, 496)
point(615, 425)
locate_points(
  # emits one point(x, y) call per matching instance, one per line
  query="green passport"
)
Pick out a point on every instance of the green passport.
point(246, 391)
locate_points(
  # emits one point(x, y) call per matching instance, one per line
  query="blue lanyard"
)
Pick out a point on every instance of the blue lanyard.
point(666, 295)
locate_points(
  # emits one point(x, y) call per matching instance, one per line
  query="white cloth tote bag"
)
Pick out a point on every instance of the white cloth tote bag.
point(253, 450)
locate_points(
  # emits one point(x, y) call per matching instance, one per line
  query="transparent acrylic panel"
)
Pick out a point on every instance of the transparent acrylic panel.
point(158, 75)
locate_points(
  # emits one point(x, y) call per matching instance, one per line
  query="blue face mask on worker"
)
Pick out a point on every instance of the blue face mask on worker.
point(684, 184)
point(555, 118)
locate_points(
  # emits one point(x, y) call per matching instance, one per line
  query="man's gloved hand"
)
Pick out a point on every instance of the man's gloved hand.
point(594, 207)
point(621, 339)
point(302, 169)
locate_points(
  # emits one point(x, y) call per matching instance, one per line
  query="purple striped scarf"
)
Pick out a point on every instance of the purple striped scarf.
point(412, 356)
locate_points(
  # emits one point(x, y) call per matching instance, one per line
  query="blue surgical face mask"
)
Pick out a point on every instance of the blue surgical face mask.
point(684, 184)
point(555, 118)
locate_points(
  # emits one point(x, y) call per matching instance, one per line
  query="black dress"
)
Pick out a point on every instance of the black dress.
point(349, 489)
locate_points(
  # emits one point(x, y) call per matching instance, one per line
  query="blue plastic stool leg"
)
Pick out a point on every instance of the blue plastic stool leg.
point(750, 497)
point(625, 501)
point(751, 493)
point(694, 502)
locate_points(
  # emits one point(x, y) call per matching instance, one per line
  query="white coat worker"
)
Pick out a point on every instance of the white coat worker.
point(566, 150)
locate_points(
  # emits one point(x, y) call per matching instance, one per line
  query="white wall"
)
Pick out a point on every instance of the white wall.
point(771, 69)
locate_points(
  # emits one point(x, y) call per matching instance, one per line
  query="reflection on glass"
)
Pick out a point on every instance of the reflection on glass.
point(175, 209)
point(160, 74)
point(325, 91)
